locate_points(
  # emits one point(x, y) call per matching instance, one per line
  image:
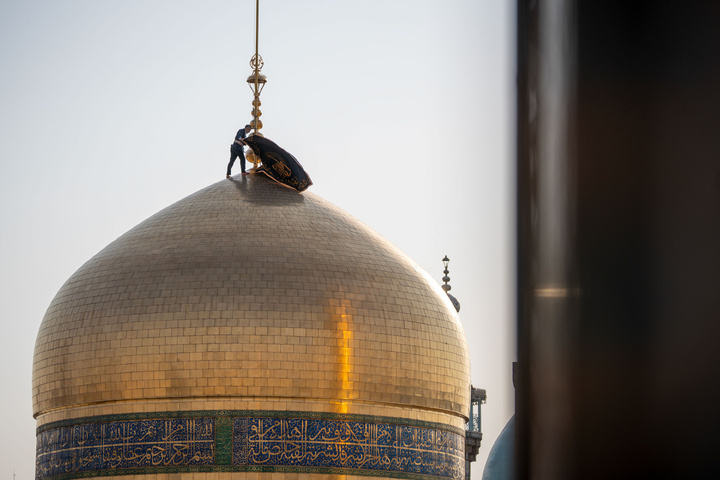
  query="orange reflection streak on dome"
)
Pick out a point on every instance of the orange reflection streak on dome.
point(344, 360)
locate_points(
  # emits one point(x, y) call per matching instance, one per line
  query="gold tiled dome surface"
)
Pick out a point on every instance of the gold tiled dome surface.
point(248, 294)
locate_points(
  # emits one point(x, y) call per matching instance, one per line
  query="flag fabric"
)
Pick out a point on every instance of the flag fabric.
point(278, 164)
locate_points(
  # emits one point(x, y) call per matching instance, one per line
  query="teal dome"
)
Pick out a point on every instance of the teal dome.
point(499, 465)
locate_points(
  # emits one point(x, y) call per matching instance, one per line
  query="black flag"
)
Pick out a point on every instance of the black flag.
point(278, 164)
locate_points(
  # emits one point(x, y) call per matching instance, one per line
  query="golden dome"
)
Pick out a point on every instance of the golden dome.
point(248, 294)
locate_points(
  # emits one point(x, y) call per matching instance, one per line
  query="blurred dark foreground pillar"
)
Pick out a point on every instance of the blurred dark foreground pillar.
point(618, 240)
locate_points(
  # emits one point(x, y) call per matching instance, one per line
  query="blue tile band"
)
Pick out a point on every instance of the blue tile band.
point(121, 445)
point(347, 444)
point(234, 441)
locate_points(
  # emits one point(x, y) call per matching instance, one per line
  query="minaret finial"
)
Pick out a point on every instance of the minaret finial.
point(256, 80)
point(446, 287)
point(446, 279)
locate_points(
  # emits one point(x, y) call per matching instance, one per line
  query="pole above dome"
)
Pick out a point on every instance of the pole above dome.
point(256, 80)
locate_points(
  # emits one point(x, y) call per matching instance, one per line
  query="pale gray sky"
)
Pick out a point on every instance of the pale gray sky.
point(402, 112)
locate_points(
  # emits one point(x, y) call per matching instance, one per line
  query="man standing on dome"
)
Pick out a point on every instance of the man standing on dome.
point(236, 150)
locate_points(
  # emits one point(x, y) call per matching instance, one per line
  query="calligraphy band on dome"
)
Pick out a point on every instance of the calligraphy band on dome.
point(238, 441)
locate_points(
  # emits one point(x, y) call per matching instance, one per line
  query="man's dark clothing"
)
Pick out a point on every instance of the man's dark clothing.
point(236, 150)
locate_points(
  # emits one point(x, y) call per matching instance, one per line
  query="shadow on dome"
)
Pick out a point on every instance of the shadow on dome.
point(255, 187)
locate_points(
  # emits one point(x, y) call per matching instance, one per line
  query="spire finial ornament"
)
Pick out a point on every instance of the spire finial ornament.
point(256, 80)
point(446, 287)
point(446, 279)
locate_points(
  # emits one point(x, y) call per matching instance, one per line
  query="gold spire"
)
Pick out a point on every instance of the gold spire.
point(256, 80)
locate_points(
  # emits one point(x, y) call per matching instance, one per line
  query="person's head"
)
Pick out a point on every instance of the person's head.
point(248, 128)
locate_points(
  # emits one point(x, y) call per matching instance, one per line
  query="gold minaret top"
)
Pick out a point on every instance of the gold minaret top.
point(256, 80)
